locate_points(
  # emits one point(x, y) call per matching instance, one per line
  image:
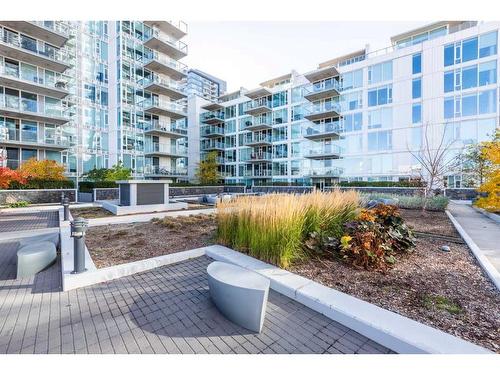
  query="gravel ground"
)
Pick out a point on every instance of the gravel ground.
point(123, 243)
point(90, 212)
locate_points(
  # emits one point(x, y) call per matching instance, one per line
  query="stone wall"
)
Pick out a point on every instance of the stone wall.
point(384, 190)
point(176, 191)
point(36, 196)
point(466, 194)
point(106, 194)
point(234, 189)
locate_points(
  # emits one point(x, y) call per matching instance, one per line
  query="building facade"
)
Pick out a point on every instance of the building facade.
point(362, 116)
point(204, 85)
point(93, 94)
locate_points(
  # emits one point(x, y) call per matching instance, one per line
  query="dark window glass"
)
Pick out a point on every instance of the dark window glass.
point(469, 77)
point(448, 81)
point(449, 55)
point(469, 50)
point(417, 63)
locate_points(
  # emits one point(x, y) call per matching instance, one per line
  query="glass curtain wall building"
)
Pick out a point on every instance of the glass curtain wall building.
point(356, 117)
point(204, 85)
point(92, 94)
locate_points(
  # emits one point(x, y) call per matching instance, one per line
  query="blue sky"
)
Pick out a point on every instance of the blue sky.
point(245, 53)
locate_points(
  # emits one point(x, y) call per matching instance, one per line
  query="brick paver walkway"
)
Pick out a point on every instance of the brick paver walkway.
point(13, 222)
point(165, 310)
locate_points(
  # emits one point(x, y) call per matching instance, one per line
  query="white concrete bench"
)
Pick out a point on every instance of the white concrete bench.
point(239, 294)
point(35, 257)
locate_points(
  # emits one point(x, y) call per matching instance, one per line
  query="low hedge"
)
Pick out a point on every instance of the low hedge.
point(42, 184)
point(88, 186)
point(435, 203)
point(403, 184)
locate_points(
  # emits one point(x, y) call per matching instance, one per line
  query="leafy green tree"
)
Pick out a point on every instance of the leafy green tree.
point(96, 174)
point(115, 173)
point(207, 172)
point(474, 166)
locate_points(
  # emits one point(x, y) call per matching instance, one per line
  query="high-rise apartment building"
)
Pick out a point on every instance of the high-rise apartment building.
point(204, 85)
point(92, 94)
point(360, 116)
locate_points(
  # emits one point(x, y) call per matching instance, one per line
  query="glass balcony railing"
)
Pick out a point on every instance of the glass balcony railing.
point(31, 137)
point(167, 61)
point(207, 131)
point(212, 144)
point(31, 45)
point(317, 130)
point(262, 173)
point(259, 121)
point(32, 106)
point(160, 170)
point(318, 108)
point(177, 44)
point(56, 81)
point(164, 148)
point(322, 86)
point(164, 127)
point(324, 150)
point(324, 172)
point(256, 138)
point(164, 104)
point(170, 83)
point(56, 26)
point(212, 116)
point(259, 104)
point(260, 156)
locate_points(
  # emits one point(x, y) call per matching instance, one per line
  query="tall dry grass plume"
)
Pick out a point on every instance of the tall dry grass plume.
point(273, 227)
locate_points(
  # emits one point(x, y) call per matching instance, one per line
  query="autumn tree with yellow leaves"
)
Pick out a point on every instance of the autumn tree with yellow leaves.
point(490, 153)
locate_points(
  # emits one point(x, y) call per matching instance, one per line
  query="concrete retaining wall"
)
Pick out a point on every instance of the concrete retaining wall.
point(36, 196)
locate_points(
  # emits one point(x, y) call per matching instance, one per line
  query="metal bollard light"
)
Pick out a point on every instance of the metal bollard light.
point(78, 228)
point(66, 208)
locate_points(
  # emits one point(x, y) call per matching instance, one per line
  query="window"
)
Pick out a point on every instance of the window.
point(380, 141)
point(416, 88)
point(469, 77)
point(351, 101)
point(449, 81)
point(417, 63)
point(488, 101)
point(488, 73)
point(449, 107)
point(352, 79)
point(380, 72)
point(280, 98)
point(449, 55)
point(416, 113)
point(469, 49)
point(29, 131)
point(488, 44)
point(380, 118)
point(353, 122)
point(469, 105)
point(380, 96)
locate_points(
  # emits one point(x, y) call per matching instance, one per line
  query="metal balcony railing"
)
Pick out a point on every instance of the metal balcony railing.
point(163, 171)
point(164, 127)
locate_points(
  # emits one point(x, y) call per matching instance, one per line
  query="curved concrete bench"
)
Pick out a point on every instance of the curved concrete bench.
point(240, 294)
point(34, 257)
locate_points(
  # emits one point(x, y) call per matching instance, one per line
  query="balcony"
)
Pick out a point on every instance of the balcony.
point(260, 157)
point(212, 117)
point(332, 130)
point(167, 66)
point(56, 87)
point(258, 107)
point(212, 131)
point(162, 86)
point(177, 29)
point(17, 47)
point(257, 139)
point(321, 74)
point(324, 172)
point(163, 171)
point(160, 128)
point(322, 90)
point(260, 123)
point(163, 149)
point(53, 32)
point(212, 145)
point(262, 173)
point(160, 107)
point(13, 106)
point(163, 43)
point(324, 152)
point(318, 111)
point(49, 142)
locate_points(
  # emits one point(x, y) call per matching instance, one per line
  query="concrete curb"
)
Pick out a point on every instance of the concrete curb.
point(490, 215)
point(396, 332)
point(485, 264)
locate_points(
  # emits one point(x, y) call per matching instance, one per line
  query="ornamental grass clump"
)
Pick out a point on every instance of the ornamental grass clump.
point(275, 227)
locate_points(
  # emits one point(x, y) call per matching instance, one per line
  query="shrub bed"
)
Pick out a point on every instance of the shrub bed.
point(42, 184)
point(88, 186)
point(436, 203)
point(382, 184)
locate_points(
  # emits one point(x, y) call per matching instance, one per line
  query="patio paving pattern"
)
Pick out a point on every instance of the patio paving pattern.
point(14, 222)
point(164, 310)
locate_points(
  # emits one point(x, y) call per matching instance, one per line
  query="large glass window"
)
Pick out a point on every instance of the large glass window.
point(449, 81)
point(488, 44)
point(416, 88)
point(380, 118)
point(488, 101)
point(449, 55)
point(417, 63)
point(488, 73)
point(353, 122)
point(469, 105)
point(416, 113)
point(469, 49)
point(352, 79)
point(380, 141)
point(29, 131)
point(380, 72)
point(449, 107)
point(380, 96)
point(469, 77)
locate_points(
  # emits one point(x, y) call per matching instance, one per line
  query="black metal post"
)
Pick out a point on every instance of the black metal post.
point(78, 228)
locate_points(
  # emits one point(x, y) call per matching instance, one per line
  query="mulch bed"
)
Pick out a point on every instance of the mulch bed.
point(90, 212)
point(446, 290)
point(123, 243)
